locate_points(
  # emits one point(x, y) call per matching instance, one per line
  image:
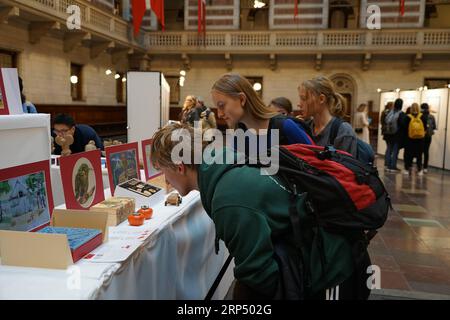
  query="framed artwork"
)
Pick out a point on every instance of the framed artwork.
point(149, 169)
point(26, 201)
point(81, 175)
point(122, 163)
point(10, 99)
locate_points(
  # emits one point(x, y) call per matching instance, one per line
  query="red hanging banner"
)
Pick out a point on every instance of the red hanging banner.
point(201, 17)
point(402, 7)
point(158, 9)
point(295, 8)
point(138, 8)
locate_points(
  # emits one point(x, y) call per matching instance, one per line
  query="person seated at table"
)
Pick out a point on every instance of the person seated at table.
point(64, 125)
point(249, 211)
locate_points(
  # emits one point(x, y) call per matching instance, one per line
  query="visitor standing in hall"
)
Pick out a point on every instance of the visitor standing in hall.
point(430, 127)
point(188, 113)
point(321, 102)
point(394, 135)
point(282, 105)
point(415, 142)
point(389, 106)
point(27, 106)
point(361, 123)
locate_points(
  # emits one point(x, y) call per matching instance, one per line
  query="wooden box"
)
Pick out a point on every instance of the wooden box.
point(118, 209)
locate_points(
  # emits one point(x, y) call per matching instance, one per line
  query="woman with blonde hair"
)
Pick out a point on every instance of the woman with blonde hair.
point(326, 107)
point(188, 111)
point(240, 106)
point(361, 123)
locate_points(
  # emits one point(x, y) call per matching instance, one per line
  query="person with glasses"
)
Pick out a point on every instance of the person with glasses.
point(64, 125)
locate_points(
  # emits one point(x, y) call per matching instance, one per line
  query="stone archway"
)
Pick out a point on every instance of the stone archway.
point(346, 86)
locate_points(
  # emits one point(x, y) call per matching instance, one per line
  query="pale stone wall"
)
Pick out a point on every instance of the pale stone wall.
point(45, 69)
point(387, 73)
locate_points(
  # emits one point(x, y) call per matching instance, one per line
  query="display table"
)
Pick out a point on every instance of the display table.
point(177, 261)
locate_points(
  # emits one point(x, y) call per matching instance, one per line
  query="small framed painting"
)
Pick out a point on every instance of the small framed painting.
point(81, 175)
point(122, 163)
point(26, 200)
point(149, 169)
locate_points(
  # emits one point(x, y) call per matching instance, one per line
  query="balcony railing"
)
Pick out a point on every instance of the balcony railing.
point(93, 19)
point(401, 40)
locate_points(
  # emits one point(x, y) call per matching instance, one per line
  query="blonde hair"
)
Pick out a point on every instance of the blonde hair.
point(189, 103)
point(162, 145)
point(415, 109)
point(362, 107)
point(323, 85)
point(233, 84)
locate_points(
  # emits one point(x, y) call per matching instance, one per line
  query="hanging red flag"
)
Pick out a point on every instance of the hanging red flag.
point(158, 9)
point(402, 7)
point(295, 9)
point(138, 8)
point(201, 17)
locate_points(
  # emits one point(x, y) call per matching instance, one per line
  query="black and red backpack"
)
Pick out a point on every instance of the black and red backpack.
point(343, 193)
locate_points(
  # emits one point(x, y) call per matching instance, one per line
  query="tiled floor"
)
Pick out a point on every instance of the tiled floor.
point(413, 248)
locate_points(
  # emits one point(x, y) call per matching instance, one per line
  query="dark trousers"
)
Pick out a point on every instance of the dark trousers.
point(414, 149)
point(426, 150)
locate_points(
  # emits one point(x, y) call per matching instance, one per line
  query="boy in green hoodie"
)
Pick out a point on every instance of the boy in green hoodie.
point(248, 209)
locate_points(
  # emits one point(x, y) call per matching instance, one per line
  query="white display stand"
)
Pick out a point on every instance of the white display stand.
point(12, 90)
point(439, 101)
point(447, 138)
point(24, 138)
point(148, 101)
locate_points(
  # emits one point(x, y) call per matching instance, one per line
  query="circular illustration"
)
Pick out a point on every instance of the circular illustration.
point(83, 182)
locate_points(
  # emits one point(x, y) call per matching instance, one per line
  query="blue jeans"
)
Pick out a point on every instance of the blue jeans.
point(392, 155)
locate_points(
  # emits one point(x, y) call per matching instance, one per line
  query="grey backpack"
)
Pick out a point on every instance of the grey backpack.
point(391, 125)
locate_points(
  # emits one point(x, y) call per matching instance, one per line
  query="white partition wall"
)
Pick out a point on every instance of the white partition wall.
point(438, 102)
point(447, 140)
point(165, 100)
point(385, 97)
point(148, 96)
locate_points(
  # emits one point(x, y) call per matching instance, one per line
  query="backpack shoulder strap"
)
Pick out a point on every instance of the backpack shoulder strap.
point(335, 125)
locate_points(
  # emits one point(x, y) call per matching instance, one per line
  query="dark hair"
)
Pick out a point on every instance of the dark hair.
point(22, 96)
point(20, 84)
point(424, 106)
point(63, 118)
point(282, 102)
point(398, 104)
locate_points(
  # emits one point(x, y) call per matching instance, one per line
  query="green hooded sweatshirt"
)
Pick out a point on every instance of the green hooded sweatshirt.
point(248, 209)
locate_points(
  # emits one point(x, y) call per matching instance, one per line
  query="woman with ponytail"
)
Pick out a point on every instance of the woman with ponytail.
point(326, 107)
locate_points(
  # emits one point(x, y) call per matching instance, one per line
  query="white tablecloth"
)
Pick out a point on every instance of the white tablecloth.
point(177, 261)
